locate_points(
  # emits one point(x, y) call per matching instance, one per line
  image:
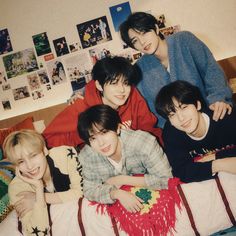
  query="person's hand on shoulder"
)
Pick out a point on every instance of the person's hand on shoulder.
point(75, 95)
point(220, 109)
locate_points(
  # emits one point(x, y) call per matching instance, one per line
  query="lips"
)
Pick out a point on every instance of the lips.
point(34, 172)
point(106, 149)
point(147, 47)
point(186, 124)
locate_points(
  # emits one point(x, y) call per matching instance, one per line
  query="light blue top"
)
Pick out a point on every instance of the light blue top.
point(189, 60)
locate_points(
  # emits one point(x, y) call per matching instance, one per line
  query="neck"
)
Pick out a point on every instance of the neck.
point(201, 127)
point(104, 101)
point(118, 154)
point(47, 175)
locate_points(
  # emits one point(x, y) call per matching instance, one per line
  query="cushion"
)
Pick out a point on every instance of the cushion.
point(25, 124)
point(6, 175)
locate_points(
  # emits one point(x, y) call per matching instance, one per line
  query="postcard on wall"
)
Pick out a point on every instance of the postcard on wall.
point(20, 63)
point(56, 72)
point(79, 70)
point(43, 77)
point(61, 46)
point(37, 94)
point(5, 42)
point(94, 32)
point(99, 53)
point(74, 47)
point(33, 81)
point(41, 43)
point(119, 13)
point(170, 30)
point(3, 78)
point(6, 104)
point(161, 21)
point(21, 92)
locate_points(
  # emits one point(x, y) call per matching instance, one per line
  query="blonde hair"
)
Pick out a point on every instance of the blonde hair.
point(26, 139)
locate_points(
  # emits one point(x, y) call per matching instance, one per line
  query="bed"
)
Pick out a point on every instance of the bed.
point(208, 211)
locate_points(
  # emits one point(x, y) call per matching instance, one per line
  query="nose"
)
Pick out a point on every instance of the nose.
point(142, 40)
point(180, 116)
point(121, 87)
point(28, 164)
point(100, 140)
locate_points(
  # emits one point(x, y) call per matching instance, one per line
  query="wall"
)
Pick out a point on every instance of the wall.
point(212, 21)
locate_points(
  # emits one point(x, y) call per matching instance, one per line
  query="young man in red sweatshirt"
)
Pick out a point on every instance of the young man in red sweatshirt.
point(113, 85)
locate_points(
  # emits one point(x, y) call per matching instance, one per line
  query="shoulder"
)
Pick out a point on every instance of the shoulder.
point(145, 59)
point(171, 134)
point(86, 152)
point(136, 138)
point(62, 151)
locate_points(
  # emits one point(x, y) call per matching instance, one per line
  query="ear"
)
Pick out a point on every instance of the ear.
point(119, 128)
point(45, 151)
point(98, 86)
point(199, 105)
point(157, 29)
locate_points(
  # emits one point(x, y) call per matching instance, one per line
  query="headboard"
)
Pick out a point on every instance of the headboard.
point(46, 114)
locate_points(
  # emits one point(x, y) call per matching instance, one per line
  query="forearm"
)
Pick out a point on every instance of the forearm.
point(52, 198)
point(225, 164)
point(127, 180)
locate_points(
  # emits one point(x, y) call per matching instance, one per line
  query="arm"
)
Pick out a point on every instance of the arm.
point(218, 93)
point(143, 118)
point(38, 215)
point(63, 128)
point(225, 164)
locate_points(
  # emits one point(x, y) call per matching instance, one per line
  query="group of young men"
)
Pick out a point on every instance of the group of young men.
point(119, 135)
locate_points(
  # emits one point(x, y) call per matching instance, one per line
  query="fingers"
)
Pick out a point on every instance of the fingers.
point(220, 109)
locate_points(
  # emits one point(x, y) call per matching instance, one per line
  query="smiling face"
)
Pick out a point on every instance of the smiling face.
point(145, 42)
point(31, 163)
point(116, 93)
point(187, 118)
point(105, 142)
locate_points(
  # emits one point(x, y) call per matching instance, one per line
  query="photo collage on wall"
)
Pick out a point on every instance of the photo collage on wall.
point(47, 63)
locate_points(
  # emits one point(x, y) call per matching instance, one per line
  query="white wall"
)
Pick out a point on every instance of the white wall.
point(214, 22)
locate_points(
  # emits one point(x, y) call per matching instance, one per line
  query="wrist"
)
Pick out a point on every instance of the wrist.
point(114, 194)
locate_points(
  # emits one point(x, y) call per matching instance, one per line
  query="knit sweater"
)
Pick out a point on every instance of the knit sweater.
point(189, 60)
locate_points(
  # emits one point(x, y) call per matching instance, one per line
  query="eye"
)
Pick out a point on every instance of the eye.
point(134, 41)
point(91, 139)
point(171, 115)
point(183, 106)
point(19, 162)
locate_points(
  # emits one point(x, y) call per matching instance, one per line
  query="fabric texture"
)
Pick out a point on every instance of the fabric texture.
point(141, 154)
point(182, 150)
point(189, 60)
point(156, 218)
point(6, 175)
point(63, 129)
point(63, 163)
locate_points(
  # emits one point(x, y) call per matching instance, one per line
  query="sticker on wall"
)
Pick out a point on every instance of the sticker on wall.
point(49, 57)
point(5, 42)
point(161, 21)
point(20, 93)
point(3, 79)
point(119, 14)
point(20, 63)
point(37, 94)
point(56, 72)
point(6, 87)
point(41, 43)
point(60, 46)
point(99, 53)
point(33, 81)
point(6, 104)
point(170, 30)
point(74, 47)
point(94, 32)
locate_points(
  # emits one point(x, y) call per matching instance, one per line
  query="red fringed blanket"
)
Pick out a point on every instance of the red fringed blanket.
point(156, 218)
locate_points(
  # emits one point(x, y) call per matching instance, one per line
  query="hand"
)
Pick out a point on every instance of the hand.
point(38, 183)
point(206, 158)
point(126, 125)
point(220, 109)
point(116, 180)
point(74, 97)
point(129, 201)
point(25, 204)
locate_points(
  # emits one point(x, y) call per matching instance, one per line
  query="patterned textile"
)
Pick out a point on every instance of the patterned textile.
point(156, 218)
point(6, 175)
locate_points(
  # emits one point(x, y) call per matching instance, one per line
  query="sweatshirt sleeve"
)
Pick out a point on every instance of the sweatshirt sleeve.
point(37, 219)
point(63, 128)
point(213, 75)
point(145, 120)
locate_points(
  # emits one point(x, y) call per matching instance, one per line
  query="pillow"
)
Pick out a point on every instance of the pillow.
point(6, 175)
point(25, 124)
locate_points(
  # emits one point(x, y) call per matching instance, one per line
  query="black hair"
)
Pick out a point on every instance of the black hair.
point(101, 116)
point(109, 69)
point(140, 22)
point(182, 91)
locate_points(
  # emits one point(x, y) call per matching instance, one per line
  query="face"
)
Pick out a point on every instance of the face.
point(186, 118)
point(105, 142)
point(31, 164)
point(145, 42)
point(115, 94)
